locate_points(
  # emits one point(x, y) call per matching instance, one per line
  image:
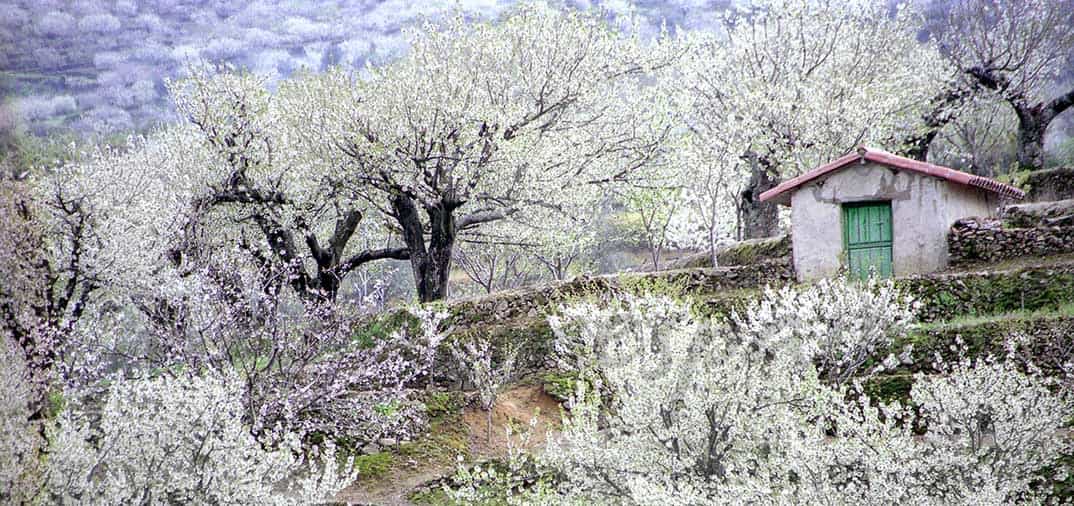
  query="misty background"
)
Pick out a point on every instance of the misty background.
point(100, 65)
point(94, 68)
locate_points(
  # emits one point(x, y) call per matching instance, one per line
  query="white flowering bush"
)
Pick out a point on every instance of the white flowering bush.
point(518, 479)
point(693, 408)
point(994, 426)
point(20, 438)
point(767, 408)
point(178, 440)
point(836, 324)
point(308, 374)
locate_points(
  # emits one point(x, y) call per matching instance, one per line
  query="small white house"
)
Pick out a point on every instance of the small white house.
point(872, 211)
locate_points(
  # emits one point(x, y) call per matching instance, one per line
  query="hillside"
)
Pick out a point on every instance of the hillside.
point(101, 65)
point(491, 252)
point(978, 302)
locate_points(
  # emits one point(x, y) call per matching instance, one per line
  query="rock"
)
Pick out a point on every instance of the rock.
point(1049, 184)
point(387, 441)
point(1056, 213)
point(370, 449)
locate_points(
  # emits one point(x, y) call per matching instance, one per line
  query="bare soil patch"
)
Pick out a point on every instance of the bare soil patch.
point(514, 407)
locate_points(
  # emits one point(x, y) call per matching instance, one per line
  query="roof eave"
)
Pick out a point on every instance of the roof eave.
point(781, 194)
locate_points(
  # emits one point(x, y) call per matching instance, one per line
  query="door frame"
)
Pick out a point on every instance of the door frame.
point(845, 231)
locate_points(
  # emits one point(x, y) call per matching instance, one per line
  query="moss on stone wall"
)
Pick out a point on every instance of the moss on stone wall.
point(947, 295)
point(1046, 339)
point(696, 283)
point(1050, 184)
point(739, 253)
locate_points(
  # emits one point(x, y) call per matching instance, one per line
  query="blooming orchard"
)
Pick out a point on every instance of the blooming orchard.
point(678, 409)
point(791, 84)
point(164, 440)
point(184, 316)
point(1015, 50)
point(484, 122)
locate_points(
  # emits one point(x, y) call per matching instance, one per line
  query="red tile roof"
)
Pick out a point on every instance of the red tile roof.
point(864, 154)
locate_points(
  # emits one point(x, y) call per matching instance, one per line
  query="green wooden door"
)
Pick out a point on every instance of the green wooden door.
point(867, 238)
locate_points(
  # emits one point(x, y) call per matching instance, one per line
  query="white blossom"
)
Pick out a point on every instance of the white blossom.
point(677, 409)
point(20, 438)
point(167, 440)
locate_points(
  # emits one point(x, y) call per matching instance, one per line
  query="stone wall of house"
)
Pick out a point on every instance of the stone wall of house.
point(1050, 184)
point(988, 240)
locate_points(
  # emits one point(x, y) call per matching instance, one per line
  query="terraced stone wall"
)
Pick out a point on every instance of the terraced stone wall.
point(974, 240)
point(1050, 184)
point(943, 296)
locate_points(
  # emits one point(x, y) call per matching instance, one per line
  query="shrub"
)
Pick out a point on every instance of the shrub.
point(20, 441)
point(108, 60)
point(178, 440)
point(839, 325)
point(767, 409)
point(56, 24)
point(40, 108)
point(99, 23)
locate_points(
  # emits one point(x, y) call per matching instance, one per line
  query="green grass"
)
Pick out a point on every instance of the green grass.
point(447, 438)
point(890, 387)
point(374, 465)
point(56, 403)
point(559, 384)
point(1014, 263)
point(1063, 310)
point(443, 404)
point(431, 497)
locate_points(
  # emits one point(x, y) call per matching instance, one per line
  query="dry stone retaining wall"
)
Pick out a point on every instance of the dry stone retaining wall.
point(1050, 184)
point(740, 253)
point(1047, 341)
point(944, 296)
point(526, 302)
point(987, 240)
point(1041, 214)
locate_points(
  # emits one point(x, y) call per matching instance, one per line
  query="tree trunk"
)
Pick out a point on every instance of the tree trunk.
point(714, 261)
point(917, 147)
point(1033, 118)
point(942, 112)
point(430, 276)
point(758, 219)
point(431, 265)
point(1032, 124)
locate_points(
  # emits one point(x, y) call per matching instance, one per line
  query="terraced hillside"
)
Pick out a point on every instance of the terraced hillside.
point(979, 302)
